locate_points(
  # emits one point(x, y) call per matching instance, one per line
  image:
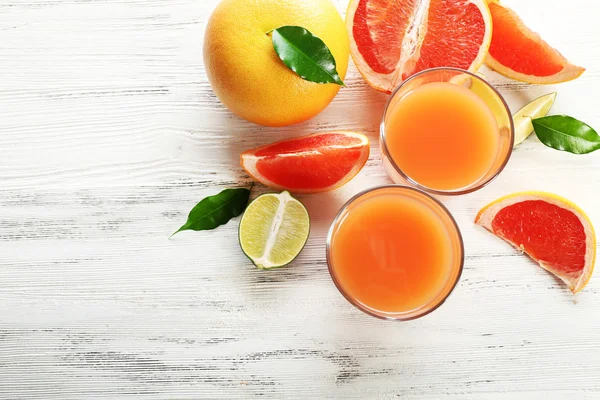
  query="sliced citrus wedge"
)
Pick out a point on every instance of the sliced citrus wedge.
point(308, 164)
point(538, 108)
point(274, 230)
point(550, 229)
point(519, 53)
point(390, 40)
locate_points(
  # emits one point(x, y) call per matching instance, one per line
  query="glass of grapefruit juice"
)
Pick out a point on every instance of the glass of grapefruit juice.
point(395, 252)
point(446, 131)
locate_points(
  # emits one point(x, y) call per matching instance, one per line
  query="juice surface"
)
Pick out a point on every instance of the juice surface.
point(392, 253)
point(442, 136)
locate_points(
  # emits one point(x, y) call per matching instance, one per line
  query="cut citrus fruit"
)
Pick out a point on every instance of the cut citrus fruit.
point(308, 164)
point(274, 230)
point(550, 229)
point(538, 108)
point(391, 40)
point(519, 53)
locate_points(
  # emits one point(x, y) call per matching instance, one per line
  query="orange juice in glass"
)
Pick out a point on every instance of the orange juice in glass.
point(395, 252)
point(446, 131)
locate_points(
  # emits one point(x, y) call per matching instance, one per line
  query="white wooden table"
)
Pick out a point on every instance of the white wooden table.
point(110, 133)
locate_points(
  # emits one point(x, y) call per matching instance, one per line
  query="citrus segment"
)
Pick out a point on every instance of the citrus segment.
point(292, 235)
point(378, 29)
point(456, 31)
point(391, 40)
point(544, 239)
point(313, 163)
point(257, 223)
point(274, 230)
point(551, 230)
point(519, 53)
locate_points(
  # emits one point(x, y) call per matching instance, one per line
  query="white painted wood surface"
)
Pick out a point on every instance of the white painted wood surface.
point(110, 133)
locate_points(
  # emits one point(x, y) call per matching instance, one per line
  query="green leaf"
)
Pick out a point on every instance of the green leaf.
point(566, 133)
point(216, 210)
point(305, 54)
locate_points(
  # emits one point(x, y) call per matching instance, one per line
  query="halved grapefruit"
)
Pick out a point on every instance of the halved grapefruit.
point(308, 164)
point(519, 53)
point(550, 229)
point(391, 40)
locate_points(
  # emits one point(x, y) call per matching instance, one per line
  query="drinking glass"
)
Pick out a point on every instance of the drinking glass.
point(452, 270)
point(490, 96)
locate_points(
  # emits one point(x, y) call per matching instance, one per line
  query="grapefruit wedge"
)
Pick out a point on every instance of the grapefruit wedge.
point(391, 40)
point(308, 164)
point(550, 229)
point(521, 54)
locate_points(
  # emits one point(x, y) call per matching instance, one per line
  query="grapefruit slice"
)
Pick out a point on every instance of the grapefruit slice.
point(391, 40)
point(521, 54)
point(550, 229)
point(308, 164)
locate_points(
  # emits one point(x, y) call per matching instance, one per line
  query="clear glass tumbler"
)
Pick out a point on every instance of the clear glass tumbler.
point(485, 92)
point(376, 255)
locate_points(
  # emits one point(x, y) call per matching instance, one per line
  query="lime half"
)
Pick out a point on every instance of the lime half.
point(274, 229)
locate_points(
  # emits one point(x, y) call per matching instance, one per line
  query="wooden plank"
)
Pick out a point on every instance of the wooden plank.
point(110, 133)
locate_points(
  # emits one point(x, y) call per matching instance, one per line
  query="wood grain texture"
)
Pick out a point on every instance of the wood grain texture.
point(110, 133)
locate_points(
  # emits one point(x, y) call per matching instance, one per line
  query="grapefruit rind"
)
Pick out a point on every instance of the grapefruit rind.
point(388, 82)
point(577, 282)
point(568, 73)
point(248, 160)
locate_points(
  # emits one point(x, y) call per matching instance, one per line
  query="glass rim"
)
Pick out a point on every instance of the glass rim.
point(454, 192)
point(394, 317)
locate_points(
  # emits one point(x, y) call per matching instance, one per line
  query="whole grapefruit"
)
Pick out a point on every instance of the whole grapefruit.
point(245, 71)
